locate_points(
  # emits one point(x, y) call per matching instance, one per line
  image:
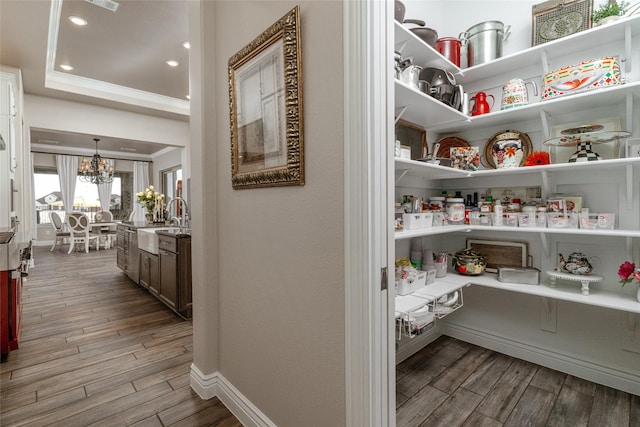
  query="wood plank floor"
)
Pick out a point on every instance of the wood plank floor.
point(452, 383)
point(98, 350)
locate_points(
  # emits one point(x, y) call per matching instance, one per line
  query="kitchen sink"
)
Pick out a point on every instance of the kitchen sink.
point(148, 239)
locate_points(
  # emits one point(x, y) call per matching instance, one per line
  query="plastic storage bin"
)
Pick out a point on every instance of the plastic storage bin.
point(479, 218)
point(414, 221)
point(593, 221)
point(411, 283)
point(509, 219)
point(541, 219)
point(562, 220)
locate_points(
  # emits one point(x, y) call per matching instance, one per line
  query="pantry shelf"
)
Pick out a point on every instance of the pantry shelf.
point(420, 232)
point(563, 291)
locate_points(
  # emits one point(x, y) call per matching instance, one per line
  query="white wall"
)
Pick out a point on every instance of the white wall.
point(68, 116)
point(164, 161)
point(276, 298)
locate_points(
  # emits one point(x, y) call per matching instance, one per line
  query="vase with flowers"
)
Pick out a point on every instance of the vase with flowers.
point(153, 202)
point(627, 272)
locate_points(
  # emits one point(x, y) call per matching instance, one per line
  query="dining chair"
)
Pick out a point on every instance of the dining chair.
point(108, 232)
point(81, 231)
point(60, 231)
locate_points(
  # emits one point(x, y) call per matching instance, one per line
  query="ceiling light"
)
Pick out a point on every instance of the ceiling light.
point(172, 63)
point(97, 170)
point(186, 45)
point(48, 141)
point(78, 21)
point(188, 96)
point(66, 67)
point(128, 149)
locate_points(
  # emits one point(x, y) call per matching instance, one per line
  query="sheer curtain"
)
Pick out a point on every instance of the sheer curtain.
point(104, 190)
point(140, 183)
point(67, 172)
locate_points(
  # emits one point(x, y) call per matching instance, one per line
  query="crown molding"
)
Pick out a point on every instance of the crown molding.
point(96, 88)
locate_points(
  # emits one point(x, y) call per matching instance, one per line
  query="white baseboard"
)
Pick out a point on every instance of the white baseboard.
point(216, 385)
point(567, 363)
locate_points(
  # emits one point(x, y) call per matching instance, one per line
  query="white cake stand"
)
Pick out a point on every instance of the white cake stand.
point(584, 280)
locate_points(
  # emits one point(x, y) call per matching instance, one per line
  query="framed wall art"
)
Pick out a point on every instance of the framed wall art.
point(555, 19)
point(265, 107)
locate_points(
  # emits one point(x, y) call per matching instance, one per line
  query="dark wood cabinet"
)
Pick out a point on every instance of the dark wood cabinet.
point(175, 272)
point(167, 274)
point(149, 271)
point(127, 257)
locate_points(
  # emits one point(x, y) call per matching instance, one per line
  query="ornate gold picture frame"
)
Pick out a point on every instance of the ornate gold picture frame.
point(265, 107)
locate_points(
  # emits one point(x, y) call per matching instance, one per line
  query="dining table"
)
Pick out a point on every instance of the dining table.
point(104, 229)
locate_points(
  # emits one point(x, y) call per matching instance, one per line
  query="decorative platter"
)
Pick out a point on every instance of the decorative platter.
point(449, 142)
point(582, 129)
point(507, 149)
point(588, 137)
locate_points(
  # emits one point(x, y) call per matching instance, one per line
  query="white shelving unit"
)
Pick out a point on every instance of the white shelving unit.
point(414, 106)
point(421, 109)
point(571, 291)
point(536, 57)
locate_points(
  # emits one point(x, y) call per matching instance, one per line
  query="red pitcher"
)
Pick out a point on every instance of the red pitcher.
point(482, 106)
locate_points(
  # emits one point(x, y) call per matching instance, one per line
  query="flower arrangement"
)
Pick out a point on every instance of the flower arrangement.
point(537, 158)
point(628, 273)
point(149, 198)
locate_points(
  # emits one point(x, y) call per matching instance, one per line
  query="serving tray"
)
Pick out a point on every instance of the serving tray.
point(500, 253)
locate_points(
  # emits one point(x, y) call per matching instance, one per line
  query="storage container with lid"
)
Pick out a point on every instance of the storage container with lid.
point(484, 41)
point(455, 210)
point(436, 203)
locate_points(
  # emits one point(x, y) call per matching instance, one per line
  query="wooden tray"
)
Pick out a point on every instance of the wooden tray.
point(499, 252)
point(447, 142)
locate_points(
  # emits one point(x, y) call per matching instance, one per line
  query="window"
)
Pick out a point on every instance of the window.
point(46, 185)
point(172, 186)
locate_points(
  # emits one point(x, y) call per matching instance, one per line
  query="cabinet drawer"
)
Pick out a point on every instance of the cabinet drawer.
point(167, 243)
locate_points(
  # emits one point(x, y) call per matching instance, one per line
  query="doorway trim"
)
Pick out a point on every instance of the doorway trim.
point(369, 339)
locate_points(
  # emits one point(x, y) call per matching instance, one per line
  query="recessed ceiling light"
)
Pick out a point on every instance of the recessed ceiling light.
point(128, 149)
point(78, 21)
point(186, 45)
point(48, 141)
point(172, 63)
point(66, 67)
point(188, 96)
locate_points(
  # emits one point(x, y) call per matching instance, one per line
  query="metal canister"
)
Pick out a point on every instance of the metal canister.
point(484, 41)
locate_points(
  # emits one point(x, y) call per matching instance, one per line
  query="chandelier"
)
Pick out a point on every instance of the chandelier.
point(96, 170)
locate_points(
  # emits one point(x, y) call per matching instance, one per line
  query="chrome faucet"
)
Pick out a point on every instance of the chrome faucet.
point(184, 208)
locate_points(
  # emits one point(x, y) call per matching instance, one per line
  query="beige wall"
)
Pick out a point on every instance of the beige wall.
point(270, 316)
